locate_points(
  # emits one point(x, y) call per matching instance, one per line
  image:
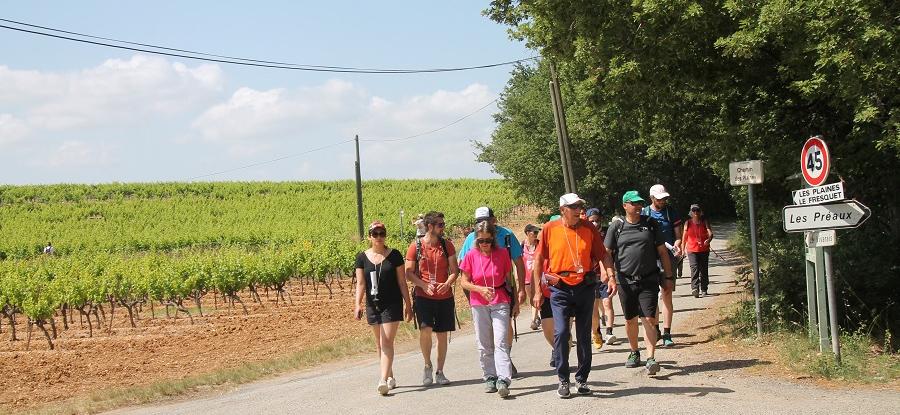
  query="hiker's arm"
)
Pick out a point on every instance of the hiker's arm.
point(663, 254)
point(678, 234)
point(520, 280)
point(401, 282)
point(536, 274)
point(412, 277)
point(443, 288)
point(683, 241)
point(709, 229)
point(360, 291)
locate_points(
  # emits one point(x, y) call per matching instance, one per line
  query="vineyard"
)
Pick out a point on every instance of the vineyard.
point(122, 250)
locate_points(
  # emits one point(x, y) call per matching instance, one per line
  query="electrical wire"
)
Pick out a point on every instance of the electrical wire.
point(457, 121)
point(434, 130)
point(202, 56)
point(270, 161)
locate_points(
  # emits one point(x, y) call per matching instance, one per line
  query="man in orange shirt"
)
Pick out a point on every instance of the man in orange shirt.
point(574, 251)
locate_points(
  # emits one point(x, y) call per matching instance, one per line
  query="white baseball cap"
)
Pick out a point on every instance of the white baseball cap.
point(658, 191)
point(569, 199)
point(483, 212)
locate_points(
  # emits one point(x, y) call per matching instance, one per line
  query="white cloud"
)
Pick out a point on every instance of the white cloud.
point(116, 92)
point(12, 129)
point(75, 153)
point(253, 114)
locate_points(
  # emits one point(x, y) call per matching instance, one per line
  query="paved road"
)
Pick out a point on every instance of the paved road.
point(690, 382)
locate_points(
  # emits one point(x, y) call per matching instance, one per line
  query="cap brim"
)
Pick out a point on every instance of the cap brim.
point(661, 195)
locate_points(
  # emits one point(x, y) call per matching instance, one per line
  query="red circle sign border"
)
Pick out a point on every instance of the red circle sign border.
point(817, 141)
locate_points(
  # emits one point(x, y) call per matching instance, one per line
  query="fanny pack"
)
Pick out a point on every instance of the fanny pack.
point(553, 279)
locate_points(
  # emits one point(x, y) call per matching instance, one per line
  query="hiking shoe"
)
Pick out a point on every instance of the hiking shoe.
point(667, 340)
point(427, 380)
point(502, 388)
point(536, 323)
point(583, 388)
point(696, 293)
point(652, 366)
point(634, 359)
point(440, 378)
point(611, 339)
point(490, 385)
point(563, 391)
point(392, 383)
point(704, 294)
point(383, 387)
point(598, 341)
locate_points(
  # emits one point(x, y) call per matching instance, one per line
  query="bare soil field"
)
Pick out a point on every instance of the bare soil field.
point(165, 348)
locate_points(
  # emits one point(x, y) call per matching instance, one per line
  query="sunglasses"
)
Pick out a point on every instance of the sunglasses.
point(440, 224)
point(636, 203)
point(378, 234)
point(577, 206)
point(484, 240)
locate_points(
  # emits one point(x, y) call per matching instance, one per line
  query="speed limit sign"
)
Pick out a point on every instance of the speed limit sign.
point(815, 161)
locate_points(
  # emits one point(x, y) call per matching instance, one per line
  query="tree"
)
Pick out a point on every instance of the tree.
point(689, 86)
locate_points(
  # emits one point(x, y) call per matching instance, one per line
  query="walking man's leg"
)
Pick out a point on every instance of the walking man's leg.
point(584, 308)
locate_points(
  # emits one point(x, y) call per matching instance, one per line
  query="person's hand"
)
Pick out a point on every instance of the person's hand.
point(522, 297)
point(408, 312)
point(612, 287)
point(538, 299)
point(442, 288)
point(357, 312)
point(515, 310)
point(429, 289)
point(487, 293)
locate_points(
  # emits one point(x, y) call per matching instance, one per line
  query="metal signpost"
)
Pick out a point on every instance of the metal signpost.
point(750, 173)
point(819, 210)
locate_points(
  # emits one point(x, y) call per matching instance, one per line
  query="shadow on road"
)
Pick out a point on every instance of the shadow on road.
point(695, 391)
point(707, 367)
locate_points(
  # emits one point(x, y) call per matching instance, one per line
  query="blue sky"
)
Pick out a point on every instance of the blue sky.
point(79, 113)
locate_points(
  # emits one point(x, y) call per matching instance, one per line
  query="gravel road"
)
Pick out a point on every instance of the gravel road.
point(690, 382)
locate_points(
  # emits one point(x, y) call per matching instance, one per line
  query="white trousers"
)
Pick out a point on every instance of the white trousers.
point(491, 333)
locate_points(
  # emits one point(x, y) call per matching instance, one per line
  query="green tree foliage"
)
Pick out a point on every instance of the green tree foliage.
point(685, 87)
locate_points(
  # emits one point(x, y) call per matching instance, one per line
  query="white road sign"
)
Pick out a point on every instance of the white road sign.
point(818, 195)
point(745, 172)
point(839, 215)
point(817, 239)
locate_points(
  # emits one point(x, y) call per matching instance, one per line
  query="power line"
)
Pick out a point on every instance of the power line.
point(270, 161)
point(457, 121)
point(434, 130)
point(209, 57)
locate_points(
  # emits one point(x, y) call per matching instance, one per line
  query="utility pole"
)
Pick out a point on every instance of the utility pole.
point(359, 209)
point(562, 133)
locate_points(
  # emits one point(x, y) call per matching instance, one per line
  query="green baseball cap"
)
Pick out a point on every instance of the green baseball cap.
point(632, 196)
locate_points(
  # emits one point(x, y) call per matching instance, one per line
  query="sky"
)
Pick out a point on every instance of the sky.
point(79, 113)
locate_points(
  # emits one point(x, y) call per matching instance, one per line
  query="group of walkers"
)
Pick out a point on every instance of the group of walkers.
point(568, 271)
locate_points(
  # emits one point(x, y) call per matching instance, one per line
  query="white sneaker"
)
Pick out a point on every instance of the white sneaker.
point(427, 380)
point(391, 382)
point(383, 387)
point(611, 339)
point(441, 379)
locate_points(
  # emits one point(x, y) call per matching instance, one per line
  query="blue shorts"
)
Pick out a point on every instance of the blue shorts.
point(602, 290)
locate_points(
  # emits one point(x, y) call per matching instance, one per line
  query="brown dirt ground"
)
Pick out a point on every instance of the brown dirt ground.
point(162, 348)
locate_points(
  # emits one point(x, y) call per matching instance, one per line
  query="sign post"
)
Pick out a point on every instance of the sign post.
point(750, 173)
point(819, 210)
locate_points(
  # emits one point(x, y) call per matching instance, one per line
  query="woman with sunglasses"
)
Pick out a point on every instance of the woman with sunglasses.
point(381, 278)
point(484, 272)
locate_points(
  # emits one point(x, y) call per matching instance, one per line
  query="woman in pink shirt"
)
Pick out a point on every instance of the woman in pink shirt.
point(484, 272)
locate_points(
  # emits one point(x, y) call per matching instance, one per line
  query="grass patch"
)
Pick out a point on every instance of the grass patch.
point(863, 360)
point(225, 378)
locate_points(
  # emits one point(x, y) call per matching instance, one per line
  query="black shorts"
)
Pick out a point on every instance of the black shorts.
point(639, 298)
point(384, 313)
point(546, 311)
point(440, 315)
